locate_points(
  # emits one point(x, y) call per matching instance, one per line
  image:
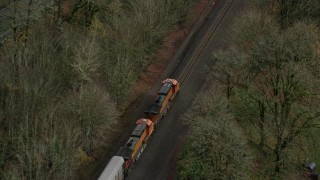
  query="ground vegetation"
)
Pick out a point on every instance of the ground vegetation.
point(216, 149)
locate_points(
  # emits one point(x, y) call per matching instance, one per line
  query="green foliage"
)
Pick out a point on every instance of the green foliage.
point(276, 89)
point(292, 11)
point(272, 88)
point(288, 12)
point(264, 31)
point(244, 108)
point(215, 149)
point(313, 142)
point(224, 71)
point(83, 12)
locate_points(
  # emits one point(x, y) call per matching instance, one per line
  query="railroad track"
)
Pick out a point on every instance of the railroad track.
point(195, 57)
point(186, 63)
point(186, 67)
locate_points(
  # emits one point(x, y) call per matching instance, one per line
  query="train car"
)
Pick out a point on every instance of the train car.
point(163, 101)
point(114, 170)
point(130, 153)
point(136, 143)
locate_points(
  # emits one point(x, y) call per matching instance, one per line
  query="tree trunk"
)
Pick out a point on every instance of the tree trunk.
point(261, 124)
point(15, 65)
point(229, 88)
point(277, 160)
point(59, 10)
point(28, 21)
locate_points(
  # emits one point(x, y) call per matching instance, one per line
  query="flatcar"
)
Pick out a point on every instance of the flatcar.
point(132, 150)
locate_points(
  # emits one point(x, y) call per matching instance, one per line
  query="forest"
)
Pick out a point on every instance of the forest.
point(260, 119)
point(65, 74)
point(68, 67)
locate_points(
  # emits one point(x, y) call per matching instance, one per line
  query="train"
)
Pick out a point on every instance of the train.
point(120, 165)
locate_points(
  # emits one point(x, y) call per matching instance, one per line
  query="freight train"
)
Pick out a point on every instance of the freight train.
point(121, 164)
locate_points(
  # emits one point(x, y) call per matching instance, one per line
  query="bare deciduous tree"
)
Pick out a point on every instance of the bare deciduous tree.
point(279, 78)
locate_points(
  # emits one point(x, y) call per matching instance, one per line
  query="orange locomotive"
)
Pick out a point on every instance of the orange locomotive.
point(136, 144)
point(163, 101)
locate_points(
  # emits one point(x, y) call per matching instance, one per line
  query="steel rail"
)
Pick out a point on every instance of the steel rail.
point(195, 58)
